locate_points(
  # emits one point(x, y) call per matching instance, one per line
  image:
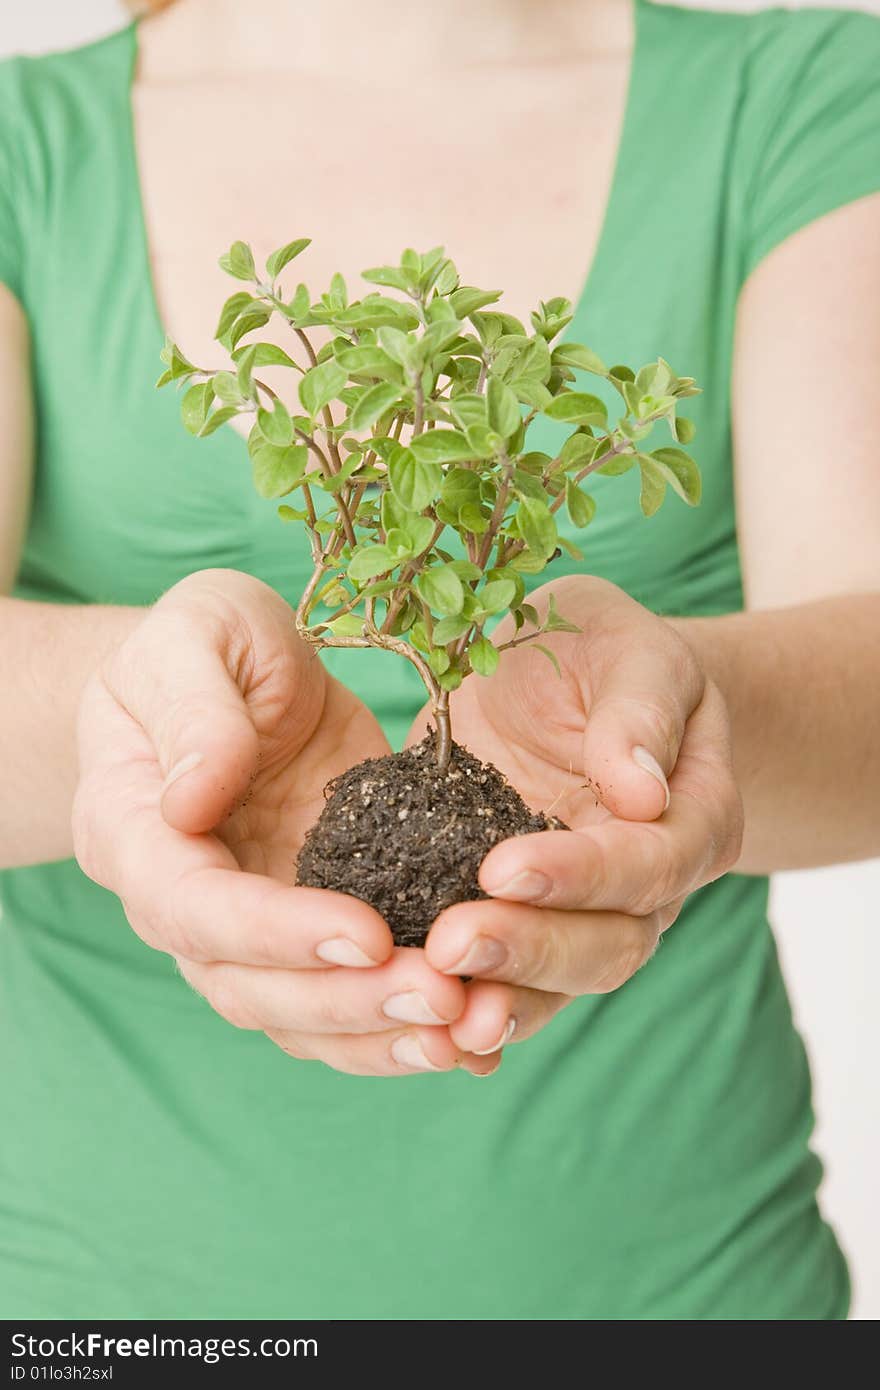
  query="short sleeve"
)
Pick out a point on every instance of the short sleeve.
point(11, 239)
point(814, 91)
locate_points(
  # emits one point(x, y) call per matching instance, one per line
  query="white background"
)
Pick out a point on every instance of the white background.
point(826, 920)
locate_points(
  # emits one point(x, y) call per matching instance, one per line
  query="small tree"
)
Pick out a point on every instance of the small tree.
point(408, 450)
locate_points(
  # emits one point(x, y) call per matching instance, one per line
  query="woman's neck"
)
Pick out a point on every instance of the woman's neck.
point(218, 36)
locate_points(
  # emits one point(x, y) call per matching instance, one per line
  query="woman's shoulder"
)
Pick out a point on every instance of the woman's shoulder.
point(31, 83)
point(53, 108)
point(774, 36)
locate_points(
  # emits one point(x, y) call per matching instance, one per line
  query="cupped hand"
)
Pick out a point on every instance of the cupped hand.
point(629, 747)
point(206, 741)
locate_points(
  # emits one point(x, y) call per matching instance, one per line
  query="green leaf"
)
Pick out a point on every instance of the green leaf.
point(571, 550)
point(277, 471)
point(530, 613)
point(578, 449)
point(576, 355)
point(460, 486)
point(401, 348)
point(292, 514)
point(653, 486)
point(418, 532)
point(346, 625)
point(369, 561)
point(554, 621)
point(438, 660)
point(680, 472)
point(213, 422)
point(497, 595)
point(528, 562)
point(338, 294)
point(450, 629)
point(485, 443)
point(393, 512)
point(467, 300)
point(369, 361)
point(235, 305)
point(683, 429)
point(414, 481)
point(537, 526)
point(177, 363)
point(551, 656)
point(299, 306)
point(276, 424)
point(580, 505)
point(195, 404)
point(389, 275)
point(528, 485)
point(466, 570)
point(577, 408)
point(471, 517)
point(483, 656)
point(618, 464)
point(442, 590)
point(450, 680)
point(503, 406)
point(284, 255)
point(247, 323)
point(531, 391)
point(375, 311)
point(320, 385)
point(441, 446)
point(535, 360)
point(372, 404)
point(227, 389)
point(245, 371)
point(239, 261)
point(266, 355)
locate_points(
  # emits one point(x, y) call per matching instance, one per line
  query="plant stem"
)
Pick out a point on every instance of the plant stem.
point(406, 577)
point(419, 416)
point(440, 710)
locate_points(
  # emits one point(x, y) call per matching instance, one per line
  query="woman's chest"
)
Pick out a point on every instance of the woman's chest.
point(511, 171)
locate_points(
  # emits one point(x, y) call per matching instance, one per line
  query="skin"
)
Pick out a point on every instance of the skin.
point(788, 686)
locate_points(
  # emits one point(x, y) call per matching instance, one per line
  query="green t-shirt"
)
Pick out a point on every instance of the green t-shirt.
point(647, 1155)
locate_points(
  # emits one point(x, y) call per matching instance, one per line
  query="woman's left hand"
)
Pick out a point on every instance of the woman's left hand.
point(630, 748)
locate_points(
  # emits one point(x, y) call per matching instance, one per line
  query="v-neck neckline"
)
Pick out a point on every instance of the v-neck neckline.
point(607, 230)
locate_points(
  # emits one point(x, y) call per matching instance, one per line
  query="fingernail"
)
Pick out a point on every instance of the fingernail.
point(648, 763)
point(483, 954)
point(509, 1030)
point(525, 887)
point(340, 951)
point(181, 768)
point(481, 1074)
point(410, 1008)
point(408, 1052)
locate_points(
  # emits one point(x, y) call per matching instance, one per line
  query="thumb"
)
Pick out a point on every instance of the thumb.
point(635, 725)
point(176, 683)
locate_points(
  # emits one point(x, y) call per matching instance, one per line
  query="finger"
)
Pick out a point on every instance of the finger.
point(184, 677)
point(404, 990)
point(186, 895)
point(203, 738)
point(496, 1014)
point(621, 866)
point(561, 952)
point(629, 866)
point(401, 1052)
point(640, 703)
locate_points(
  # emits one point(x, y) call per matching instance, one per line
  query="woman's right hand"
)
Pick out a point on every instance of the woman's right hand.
point(206, 741)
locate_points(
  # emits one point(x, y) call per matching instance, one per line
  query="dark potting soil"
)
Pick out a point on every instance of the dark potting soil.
point(408, 839)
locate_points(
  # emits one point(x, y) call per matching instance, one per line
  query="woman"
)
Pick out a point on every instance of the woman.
point(711, 181)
